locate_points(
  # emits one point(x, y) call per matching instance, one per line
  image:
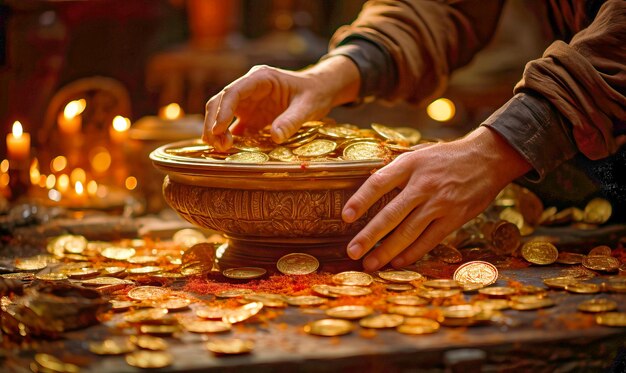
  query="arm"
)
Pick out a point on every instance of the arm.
point(407, 49)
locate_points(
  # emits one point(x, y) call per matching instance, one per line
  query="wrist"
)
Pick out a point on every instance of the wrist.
point(341, 77)
point(506, 163)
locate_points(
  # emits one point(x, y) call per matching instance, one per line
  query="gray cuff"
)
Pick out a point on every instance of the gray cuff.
point(377, 69)
point(533, 127)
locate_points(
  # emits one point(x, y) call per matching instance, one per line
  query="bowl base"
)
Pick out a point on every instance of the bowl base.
point(243, 253)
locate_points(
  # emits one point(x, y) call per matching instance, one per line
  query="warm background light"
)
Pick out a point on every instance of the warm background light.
point(171, 111)
point(4, 166)
point(101, 159)
point(5, 179)
point(121, 124)
point(58, 163)
point(78, 175)
point(131, 182)
point(441, 110)
point(63, 183)
point(78, 187)
point(34, 172)
point(92, 187)
point(51, 180)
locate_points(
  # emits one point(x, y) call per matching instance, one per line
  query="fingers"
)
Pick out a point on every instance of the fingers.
point(400, 239)
point(288, 123)
point(389, 217)
point(436, 231)
point(377, 185)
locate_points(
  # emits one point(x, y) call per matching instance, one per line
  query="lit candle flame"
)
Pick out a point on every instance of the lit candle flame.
point(34, 172)
point(121, 124)
point(74, 108)
point(171, 111)
point(17, 129)
point(78, 187)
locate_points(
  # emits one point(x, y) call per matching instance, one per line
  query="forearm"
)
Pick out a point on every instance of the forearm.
point(340, 75)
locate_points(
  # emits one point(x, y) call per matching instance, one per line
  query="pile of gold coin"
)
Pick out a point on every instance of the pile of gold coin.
point(316, 141)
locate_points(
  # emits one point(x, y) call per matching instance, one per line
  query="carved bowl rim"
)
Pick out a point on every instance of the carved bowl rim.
point(174, 163)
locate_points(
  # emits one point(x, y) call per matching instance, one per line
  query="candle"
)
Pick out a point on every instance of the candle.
point(18, 143)
point(119, 128)
point(70, 120)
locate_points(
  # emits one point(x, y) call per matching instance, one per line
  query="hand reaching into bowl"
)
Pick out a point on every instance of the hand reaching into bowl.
point(284, 99)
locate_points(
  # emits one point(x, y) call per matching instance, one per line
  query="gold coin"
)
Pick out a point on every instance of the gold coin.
point(283, 154)
point(537, 303)
point(251, 144)
point(328, 327)
point(206, 326)
point(601, 250)
point(492, 304)
point(248, 157)
point(298, 141)
point(111, 347)
point(81, 273)
point(547, 215)
point(188, 237)
point(268, 300)
point(350, 291)
point(242, 313)
point(149, 359)
point(352, 278)
point(598, 211)
point(469, 287)
point(173, 304)
point(497, 291)
point(53, 364)
point(230, 346)
point(145, 315)
point(412, 135)
point(341, 132)
point(476, 272)
point(365, 150)
point(399, 287)
point(460, 311)
point(407, 300)
point(211, 312)
point(438, 293)
point(118, 253)
point(559, 282)
point(297, 264)
point(52, 277)
point(143, 259)
point(35, 263)
point(104, 281)
point(244, 273)
point(447, 254)
point(410, 311)
point(145, 270)
point(19, 276)
point(121, 305)
point(612, 319)
point(315, 148)
point(400, 276)
point(597, 305)
point(69, 243)
point(382, 321)
point(189, 150)
point(601, 263)
point(389, 133)
point(324, 290)
point(441, 284)
point(164, 330)
point(418, 326)
point(149, 342)
point(113, 271)
point(616, 284)
point(233, 293)
point(569, 258)
point(538, 252)
point(505, 237)
point(148, 293)
point(398, 148)
point(305, 300)
point(583, 288)
point(349, 312)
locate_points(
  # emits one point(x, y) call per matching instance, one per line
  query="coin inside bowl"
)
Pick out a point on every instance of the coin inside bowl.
point(268, 209)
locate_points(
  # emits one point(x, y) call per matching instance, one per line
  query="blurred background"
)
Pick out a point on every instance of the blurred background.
point(97, 84)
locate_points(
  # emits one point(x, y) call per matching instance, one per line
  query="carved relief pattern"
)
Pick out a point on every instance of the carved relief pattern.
point(296, 213)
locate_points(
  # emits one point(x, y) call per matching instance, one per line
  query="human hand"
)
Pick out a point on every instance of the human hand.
point(442, 186)
point(284, 99)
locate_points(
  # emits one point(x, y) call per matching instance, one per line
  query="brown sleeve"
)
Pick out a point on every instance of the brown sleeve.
point(585, 80)
point(426, 39)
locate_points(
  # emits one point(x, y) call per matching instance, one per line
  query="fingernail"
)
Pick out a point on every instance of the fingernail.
point(398, 262)
point(354, 251)
point(371, 263)
point(348, 215)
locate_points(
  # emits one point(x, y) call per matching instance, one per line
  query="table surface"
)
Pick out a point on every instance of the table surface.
point(552, 338)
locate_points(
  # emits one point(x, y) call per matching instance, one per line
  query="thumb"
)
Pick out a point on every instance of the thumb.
point(288, 123)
